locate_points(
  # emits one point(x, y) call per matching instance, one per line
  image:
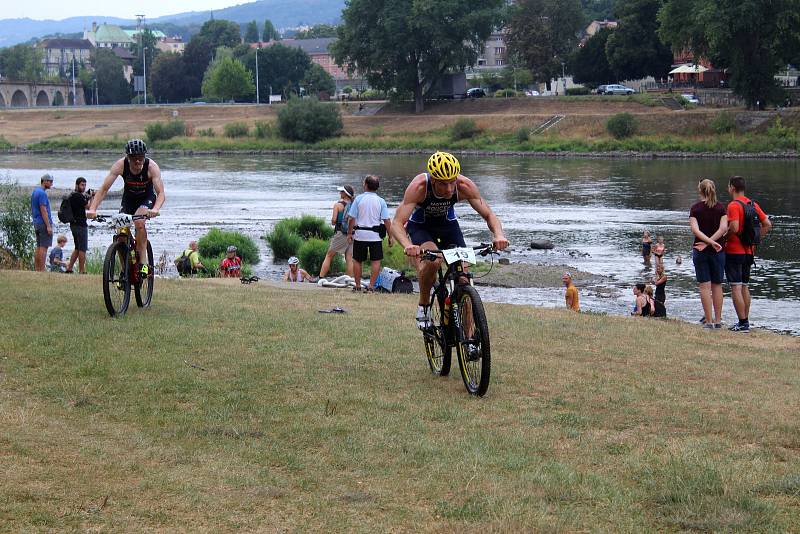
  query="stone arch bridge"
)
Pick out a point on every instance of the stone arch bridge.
point(40, 94)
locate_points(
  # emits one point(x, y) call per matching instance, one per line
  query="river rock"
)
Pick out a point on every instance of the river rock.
point(504, 261)
point(542, 244)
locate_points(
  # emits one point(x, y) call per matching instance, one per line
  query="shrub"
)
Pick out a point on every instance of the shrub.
point(236, 129)
point(347, 89)
point(264, 129)
point(16, 231)
point(4, 143)
point(784, 136)
point(161, 131)
point(523, 134)
point(505, 93)
point(723, 123)
point(283, 242)
point(621, 125)
point(312, 253)
point(308, 120)
point(310, 227)
point(208, 132)
point(464, 129)
point(217, 241)
point(577, 91)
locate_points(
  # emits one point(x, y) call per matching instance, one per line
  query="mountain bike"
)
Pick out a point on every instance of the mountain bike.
point(119, 267)
point(458, 320)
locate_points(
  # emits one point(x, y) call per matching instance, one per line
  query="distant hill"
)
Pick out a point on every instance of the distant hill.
point(282, 13)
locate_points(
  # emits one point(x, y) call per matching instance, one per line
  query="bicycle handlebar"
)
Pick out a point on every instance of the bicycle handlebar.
point(107, 218)
point(484, 248)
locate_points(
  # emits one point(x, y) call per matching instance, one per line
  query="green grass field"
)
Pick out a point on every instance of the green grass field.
point(227, 407)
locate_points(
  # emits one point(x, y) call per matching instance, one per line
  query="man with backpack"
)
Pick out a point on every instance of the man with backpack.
point(747, 226)
point(73, 211)
point(188, 263)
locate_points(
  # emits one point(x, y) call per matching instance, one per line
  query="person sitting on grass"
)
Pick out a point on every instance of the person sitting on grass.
point(231, 265)
point(295, 273)
point(57, 263)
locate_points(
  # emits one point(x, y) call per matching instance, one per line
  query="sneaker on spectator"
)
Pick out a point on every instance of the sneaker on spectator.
point(740, 327)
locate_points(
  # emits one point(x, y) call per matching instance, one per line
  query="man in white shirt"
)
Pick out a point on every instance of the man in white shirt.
point(368, 223)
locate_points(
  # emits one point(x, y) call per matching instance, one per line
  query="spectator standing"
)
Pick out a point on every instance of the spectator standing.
point(709, 223)
point(739, 257)
point(647, 244)
point(661, 284)
point(367, 214)
point(231, 265)
point(571, 294)
point(42, 221)
point(57, 263)
point(78, 201)
point(339, 242)
point(192, 263)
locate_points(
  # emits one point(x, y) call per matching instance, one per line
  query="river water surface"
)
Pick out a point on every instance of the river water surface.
point(593, 210)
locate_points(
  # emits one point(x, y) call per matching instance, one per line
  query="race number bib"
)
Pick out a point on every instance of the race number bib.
point(453, 255)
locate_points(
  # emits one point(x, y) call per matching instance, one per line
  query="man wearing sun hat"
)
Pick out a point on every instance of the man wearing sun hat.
point(339, 242)
point(42, 221)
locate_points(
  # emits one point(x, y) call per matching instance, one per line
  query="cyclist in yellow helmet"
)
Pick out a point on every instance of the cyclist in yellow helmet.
point(426, 219)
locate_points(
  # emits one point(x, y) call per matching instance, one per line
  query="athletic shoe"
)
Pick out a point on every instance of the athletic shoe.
point(424, 317)
point(717, 326)
point(744, 328)
point(702, 320)
point(709, 326)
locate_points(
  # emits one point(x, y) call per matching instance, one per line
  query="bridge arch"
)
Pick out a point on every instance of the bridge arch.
point(2, 101)
point(42, 100)
point(58, 99)
point(19, 100)
point(71, 99)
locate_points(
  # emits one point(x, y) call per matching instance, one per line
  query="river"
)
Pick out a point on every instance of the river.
point(593, 210)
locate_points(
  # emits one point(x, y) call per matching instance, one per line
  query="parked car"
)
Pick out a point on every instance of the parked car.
point(600, 89)
point(476, 92)
point(532, 93)
point(691, 98)
point(617, 89)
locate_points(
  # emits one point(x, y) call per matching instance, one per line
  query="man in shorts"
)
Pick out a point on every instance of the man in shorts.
point(42, 221)
point(367, 214)
point(143, 193)
point(426, 220)
point(339, 242)
point(739, 257)
point(80, 230)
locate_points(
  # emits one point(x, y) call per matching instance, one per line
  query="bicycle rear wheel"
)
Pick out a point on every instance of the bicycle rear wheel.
point(116, 279)
point(437, 350)
point(474, 353)
point(143, 290)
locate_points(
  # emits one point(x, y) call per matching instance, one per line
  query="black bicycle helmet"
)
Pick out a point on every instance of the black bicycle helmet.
point(135, 147)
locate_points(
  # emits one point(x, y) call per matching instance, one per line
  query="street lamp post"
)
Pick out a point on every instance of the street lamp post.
point(74, 94)
point(258, 97)
point(144, 72)
point(564, 77)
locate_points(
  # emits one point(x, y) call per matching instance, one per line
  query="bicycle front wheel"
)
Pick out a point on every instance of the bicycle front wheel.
point(144, 288)
point(437, 349)
point(116, 279)
point(474, 353)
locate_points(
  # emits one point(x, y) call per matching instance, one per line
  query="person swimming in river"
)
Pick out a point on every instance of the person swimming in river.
point(658, 251)
point(647, 243)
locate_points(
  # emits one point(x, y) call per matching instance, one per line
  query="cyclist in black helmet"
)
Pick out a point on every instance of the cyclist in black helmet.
point(143, 192)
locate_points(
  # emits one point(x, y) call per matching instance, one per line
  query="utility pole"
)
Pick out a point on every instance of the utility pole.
point(564, 77)
point(258, 99)
point(140, 26)
point(144, 72)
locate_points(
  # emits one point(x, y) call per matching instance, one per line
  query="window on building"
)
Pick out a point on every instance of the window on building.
point(481, 61)
point(499, 50)
point(499, 62)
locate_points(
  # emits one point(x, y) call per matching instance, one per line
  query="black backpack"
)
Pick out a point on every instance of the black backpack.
point(183, 263)
point(65, 214)
point(750, 232)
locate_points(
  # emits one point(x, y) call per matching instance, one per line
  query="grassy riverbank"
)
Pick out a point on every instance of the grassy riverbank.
point(288, 419)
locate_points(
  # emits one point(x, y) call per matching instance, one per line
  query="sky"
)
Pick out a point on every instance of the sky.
point(60, 9)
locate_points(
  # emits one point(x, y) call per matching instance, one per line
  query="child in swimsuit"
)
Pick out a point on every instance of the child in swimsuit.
point(646, 244)
point(658, 250)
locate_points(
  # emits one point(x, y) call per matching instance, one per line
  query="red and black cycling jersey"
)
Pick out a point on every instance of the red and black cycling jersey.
point(137, 184)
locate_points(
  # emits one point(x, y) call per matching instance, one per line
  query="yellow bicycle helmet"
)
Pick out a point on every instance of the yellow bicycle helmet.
point(443, 166)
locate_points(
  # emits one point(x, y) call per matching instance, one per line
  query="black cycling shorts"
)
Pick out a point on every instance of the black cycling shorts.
point(446, 235)
point(131, 203)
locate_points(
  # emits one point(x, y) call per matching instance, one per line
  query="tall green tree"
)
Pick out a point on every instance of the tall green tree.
point(112, 87)
point(317, 31)
point(589, 64)
point(635, 50)
point(269, 33)
point(542, 35)
point(167, 78)
point(598, 9)
point(200, 49)
point(22, 62)
point(145, 45)
point(317, 80)
point(409, 44)
point(251, 32)
point(228, 79)
point(280, 67)
point(753, 39)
